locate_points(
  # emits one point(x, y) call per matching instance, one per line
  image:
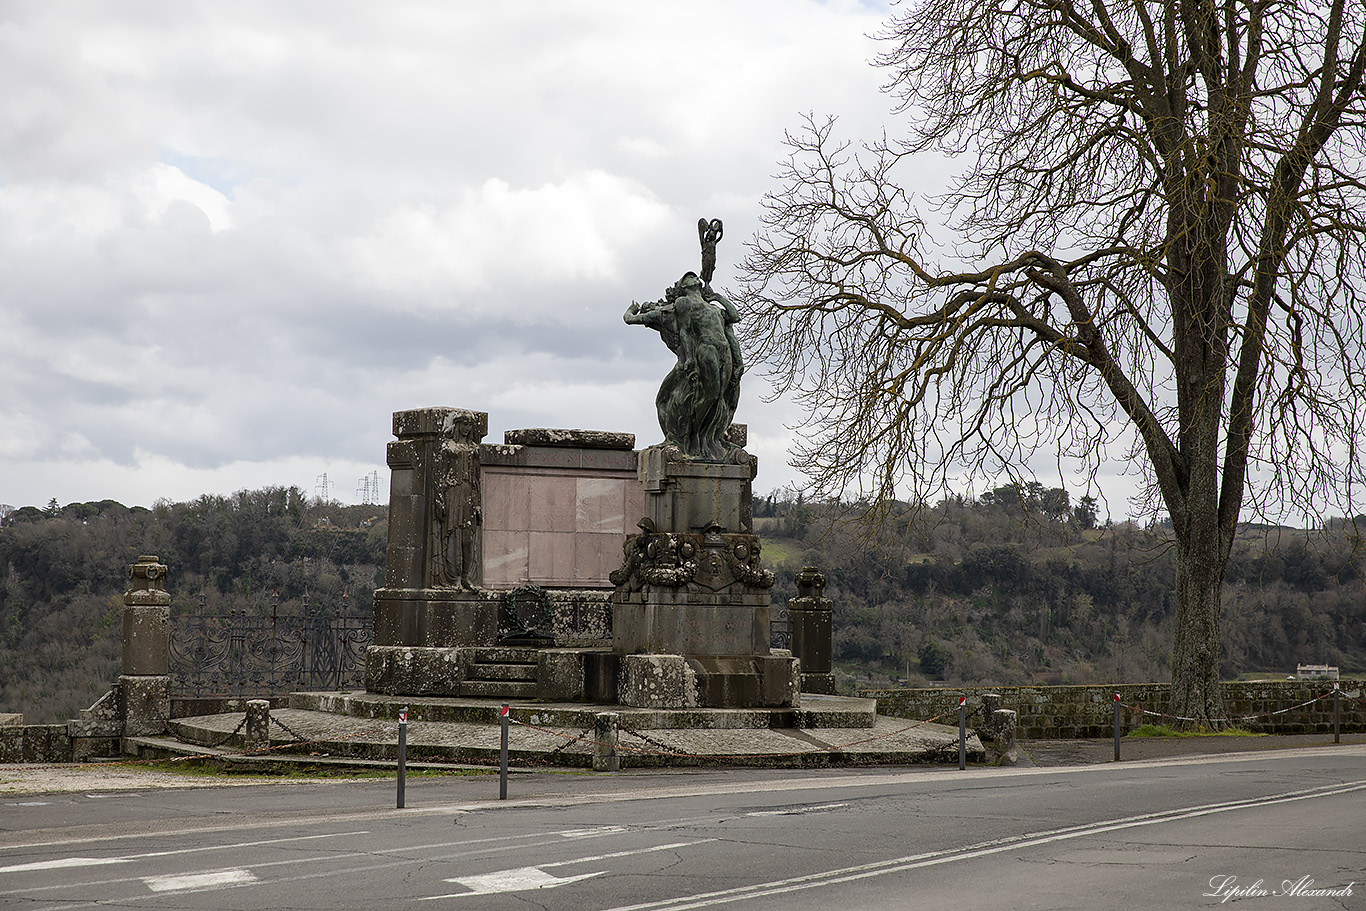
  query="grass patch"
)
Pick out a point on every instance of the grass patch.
point(1162, 730)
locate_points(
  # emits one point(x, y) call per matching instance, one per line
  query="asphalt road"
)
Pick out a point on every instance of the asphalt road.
point(1180, 833)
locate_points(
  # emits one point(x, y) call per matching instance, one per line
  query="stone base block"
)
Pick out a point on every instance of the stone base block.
point(657, 681)
point(821, 684)
point(436, 617)
point(87, 748)
point(559, 674)
point(35, 743)
point(689, 496)
point(680, 622)
point(679, 682)
point(412, 671)
point(144, 704)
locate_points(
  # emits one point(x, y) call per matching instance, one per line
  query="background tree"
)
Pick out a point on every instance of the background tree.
point(1168, 199)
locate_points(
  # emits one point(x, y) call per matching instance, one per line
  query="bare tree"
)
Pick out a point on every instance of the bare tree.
point(1163, 209)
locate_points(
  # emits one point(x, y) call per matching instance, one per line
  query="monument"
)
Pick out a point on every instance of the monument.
point(505, 573)
point(690, 613)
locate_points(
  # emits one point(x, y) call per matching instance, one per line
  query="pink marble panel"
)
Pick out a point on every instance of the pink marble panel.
point(506, 504)
point(595, 556)
point(551, 557)
point(507, 557)
point(552, 502)
point(600, 505)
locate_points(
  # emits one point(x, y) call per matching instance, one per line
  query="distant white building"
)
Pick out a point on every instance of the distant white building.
point(1315, 672)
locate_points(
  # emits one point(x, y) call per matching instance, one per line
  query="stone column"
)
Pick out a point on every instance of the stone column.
point(809, 617)
point(432, 600)
point(145, 684)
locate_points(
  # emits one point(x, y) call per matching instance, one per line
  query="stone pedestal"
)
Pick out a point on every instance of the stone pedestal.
point(145, 684)
point(688, 496)
point(690, 621)
point(436, 617)
point(809, 618)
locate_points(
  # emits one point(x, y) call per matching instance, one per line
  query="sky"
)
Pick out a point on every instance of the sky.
point(236, 237)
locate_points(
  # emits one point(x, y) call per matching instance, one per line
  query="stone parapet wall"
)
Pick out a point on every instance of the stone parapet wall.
point(35, 743)
point(1067, 712)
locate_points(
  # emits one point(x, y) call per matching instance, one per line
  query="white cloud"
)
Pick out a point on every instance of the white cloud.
point(574, 232)
point(235, 237)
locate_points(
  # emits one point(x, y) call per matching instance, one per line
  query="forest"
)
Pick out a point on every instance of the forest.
point(1021, 586)
point(64, 569)
point(1018, 585)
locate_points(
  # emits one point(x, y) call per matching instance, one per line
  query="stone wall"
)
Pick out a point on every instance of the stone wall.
point(35, 743)
point(1067, 712)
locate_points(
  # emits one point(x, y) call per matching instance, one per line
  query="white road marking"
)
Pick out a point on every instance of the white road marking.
point(593, 833)
point(631, 853)
point(794, 811)
point(64, 862)
point(199, 880)
point(522, 879)
point(998, 846)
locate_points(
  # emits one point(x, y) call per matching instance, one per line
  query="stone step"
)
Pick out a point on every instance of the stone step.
point(499, 689)
point(503, 654)
point(815, 712)
point(502, 671)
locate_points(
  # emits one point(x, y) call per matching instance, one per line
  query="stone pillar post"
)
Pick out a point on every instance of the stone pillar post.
point(809, 617)
point(257, 732)
point(145, 684)
point(606, 732)
point(1004, 723)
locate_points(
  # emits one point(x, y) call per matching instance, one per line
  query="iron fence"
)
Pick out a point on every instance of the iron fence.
point(240, 653)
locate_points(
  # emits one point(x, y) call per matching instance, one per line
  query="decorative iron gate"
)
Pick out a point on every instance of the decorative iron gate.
point(238, 653)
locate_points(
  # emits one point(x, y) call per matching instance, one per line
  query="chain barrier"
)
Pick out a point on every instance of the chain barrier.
point(1142, 711)
point(660, 748)
point(568, 742)
point(299, 738)
point(664, 749)
point(226, 737)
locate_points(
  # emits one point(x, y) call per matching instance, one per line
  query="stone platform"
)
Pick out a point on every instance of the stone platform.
point(833, 731)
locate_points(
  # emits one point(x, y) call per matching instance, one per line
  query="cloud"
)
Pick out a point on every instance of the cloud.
point(234, 238)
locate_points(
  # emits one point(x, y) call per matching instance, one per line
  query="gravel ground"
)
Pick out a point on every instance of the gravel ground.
point(18, 780)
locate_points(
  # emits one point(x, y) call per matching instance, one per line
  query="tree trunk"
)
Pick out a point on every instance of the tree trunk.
point(1196, 698)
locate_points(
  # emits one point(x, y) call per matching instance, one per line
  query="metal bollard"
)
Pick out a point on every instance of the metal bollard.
point(1337, 714)
point(962, 732)
point(503, 756)
point(402, 752)
point(1117, 708)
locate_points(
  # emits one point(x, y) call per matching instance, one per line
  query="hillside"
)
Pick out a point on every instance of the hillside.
point(63, 571)
point(1017, 586)
point(1013, 589)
